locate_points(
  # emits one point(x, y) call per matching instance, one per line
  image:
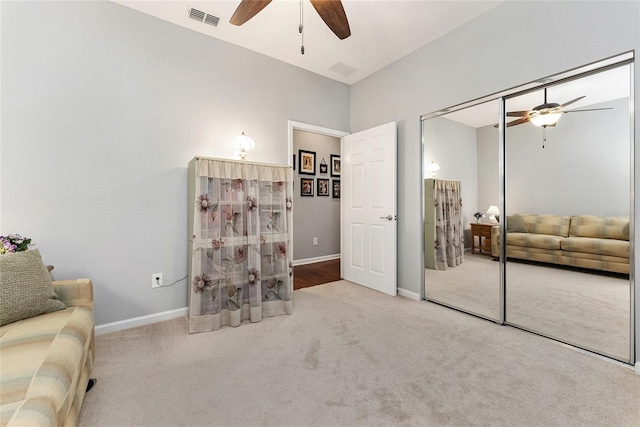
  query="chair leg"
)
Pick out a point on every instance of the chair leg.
point(91, 383)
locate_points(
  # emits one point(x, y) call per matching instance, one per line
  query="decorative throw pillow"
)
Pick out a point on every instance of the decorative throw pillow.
point(25, 287)
point(515, 224)
point(625, 231)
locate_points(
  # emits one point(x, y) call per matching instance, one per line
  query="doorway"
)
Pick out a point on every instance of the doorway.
point(368, 201)
point(317, 210)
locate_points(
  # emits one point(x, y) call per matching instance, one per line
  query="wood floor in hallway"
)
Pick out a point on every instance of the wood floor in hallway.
point(316, 274)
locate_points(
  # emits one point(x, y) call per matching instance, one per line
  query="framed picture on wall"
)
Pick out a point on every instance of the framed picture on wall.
point(335, 166)
point(324, 168)
point(323, 187)
point(307, 162)
point(306, 187)
point(336, 189)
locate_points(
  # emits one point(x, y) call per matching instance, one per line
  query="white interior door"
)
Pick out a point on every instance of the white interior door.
point(368, 255)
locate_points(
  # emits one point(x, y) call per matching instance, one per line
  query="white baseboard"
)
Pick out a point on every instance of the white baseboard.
point(316, 259)
point(408, 294)
point(140, 321)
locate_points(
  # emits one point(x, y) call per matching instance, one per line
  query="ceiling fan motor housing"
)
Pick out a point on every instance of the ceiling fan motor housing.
point(546, 106)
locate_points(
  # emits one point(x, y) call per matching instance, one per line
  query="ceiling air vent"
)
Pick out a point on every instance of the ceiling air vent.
point(342, 68)
point(196, 14)
point(204, 17)
point(211, 20)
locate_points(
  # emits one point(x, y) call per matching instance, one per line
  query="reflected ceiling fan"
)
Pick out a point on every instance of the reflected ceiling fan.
point(547, 114)
point(331, 12)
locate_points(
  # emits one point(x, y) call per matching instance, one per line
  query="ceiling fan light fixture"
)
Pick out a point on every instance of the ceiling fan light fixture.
point(548, 119)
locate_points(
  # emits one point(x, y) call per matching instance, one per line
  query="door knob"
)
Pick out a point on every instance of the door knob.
point(388, 217)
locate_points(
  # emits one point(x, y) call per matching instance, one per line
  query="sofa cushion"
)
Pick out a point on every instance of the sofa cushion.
point(42, 361)
point(540, 241)
point(515, 224)
point(547, 224)
point(25, 287)
point(597, 257)
point(611, 247)
point(599, 227)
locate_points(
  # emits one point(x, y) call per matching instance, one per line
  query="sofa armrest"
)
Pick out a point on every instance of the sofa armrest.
point(495, 241)
point(75, 293)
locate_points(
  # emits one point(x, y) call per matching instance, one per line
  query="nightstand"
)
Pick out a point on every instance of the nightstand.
point(483, 232)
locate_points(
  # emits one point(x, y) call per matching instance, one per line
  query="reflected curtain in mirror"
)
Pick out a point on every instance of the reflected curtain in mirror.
point(240, 225)
point(449, 236)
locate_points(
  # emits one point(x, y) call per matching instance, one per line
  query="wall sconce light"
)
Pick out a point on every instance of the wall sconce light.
point(432, 168)
point(242, 143)
point(493, 211)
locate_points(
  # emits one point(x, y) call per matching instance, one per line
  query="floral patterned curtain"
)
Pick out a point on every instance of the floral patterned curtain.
point(449, 238)
point(241, 260)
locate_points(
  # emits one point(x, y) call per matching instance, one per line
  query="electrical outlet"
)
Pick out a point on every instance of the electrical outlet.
point(156, 280)
point(315, 241)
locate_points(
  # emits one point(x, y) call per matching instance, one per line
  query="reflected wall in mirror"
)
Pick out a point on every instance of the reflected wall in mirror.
point(567, 216)
point(460, 270)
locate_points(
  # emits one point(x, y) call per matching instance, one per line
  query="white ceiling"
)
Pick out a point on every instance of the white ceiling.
point(382, 31)
point(596, 89)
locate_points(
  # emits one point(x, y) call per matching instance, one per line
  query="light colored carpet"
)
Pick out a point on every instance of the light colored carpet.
point(350, 356)
point(473, 286)
point(581, 308)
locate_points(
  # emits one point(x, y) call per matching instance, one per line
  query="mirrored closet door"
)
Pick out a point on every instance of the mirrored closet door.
point(568, 203)
point(461, 192)
point(531, 223)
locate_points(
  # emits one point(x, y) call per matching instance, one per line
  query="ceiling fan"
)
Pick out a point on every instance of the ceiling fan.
point(546, 114)
point(331, 12)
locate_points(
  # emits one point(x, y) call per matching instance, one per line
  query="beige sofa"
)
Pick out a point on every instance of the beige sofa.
point(584, 241)
point(46, 360)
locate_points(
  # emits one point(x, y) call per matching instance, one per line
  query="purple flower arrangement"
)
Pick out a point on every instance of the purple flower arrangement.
point(14, 243)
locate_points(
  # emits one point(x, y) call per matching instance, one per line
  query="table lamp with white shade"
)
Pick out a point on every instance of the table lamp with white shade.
point(242, 144)
point(493, 211)
point(432, 168)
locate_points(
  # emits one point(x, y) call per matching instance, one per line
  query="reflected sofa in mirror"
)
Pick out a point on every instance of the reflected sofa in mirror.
point(460, 270)
point(567, 216)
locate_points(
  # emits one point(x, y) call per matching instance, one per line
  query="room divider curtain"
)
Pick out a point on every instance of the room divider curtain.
point(241, 261)
point(449, 235)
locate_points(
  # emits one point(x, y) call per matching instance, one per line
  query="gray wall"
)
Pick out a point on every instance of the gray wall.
point(102, 108)
point(488, 169)
point(453, 147)
point(315, 216)
point(583, 169)
point(496, 51)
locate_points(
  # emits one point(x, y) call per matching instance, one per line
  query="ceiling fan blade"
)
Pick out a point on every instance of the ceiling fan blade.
point(518, 122)
point(571, 102)
point(518, 113)
point(246, 10)
point(332, 13)
point(588, 109)
point(515, 122)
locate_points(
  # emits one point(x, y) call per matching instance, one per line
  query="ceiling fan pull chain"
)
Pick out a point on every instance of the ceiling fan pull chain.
point(544, 135)
point(301, 29)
